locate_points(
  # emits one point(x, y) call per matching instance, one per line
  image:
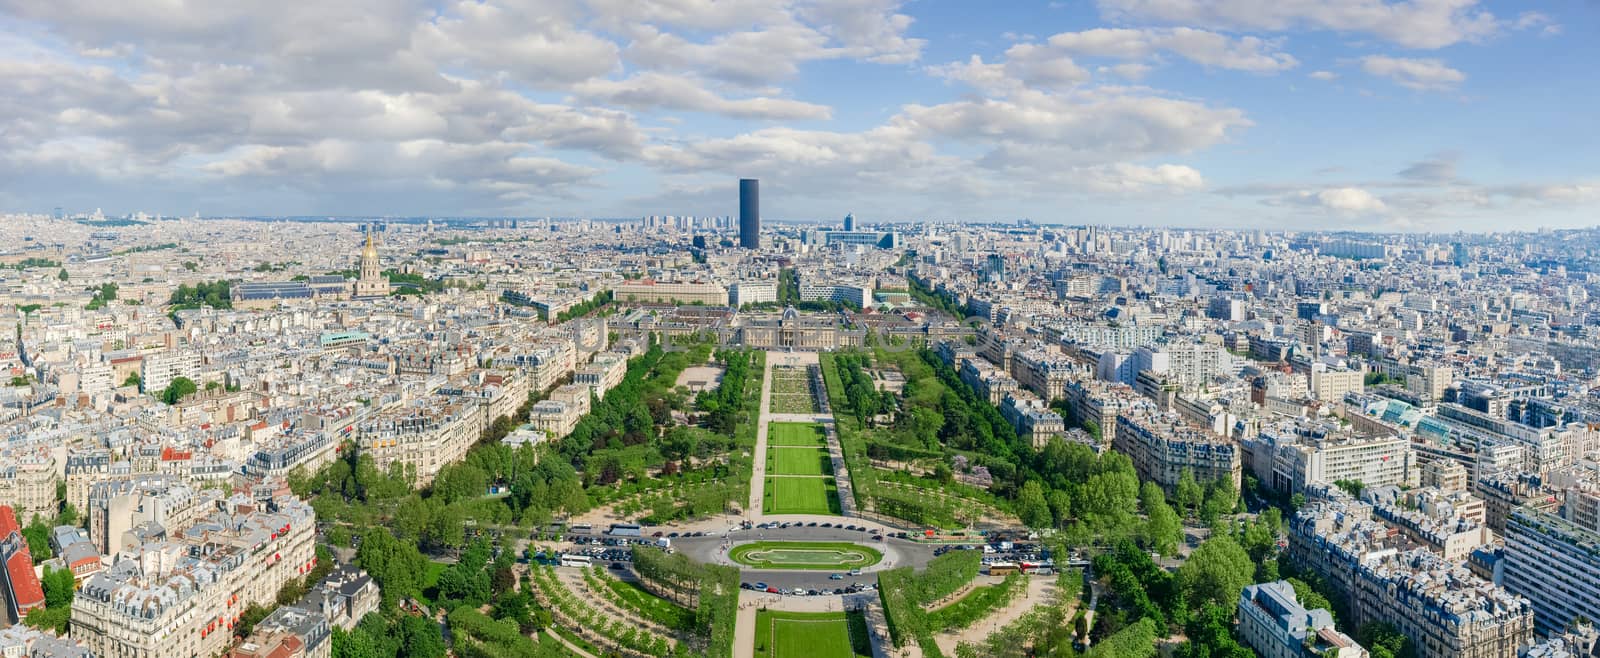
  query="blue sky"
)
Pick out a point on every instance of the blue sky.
point(1371, 114)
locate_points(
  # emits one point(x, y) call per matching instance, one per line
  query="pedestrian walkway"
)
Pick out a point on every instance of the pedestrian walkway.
point(1041, 591)
point(549, 633)
point(758, 470)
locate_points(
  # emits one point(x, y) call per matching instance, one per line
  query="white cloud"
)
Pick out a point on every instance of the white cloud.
point(1418, 74)
point(649, 91)
point(1409, 23)
point(1323, 75)
point(1339, 200)
point(1206, 48)
point(784, 36)
point(1438, 169)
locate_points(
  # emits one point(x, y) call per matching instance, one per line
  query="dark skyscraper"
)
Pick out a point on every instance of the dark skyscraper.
point(750, 213)
point(849, 222)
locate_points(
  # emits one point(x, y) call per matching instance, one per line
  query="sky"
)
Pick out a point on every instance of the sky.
point(1419, 115)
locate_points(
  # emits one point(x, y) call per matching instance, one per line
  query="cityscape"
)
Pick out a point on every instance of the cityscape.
point(481, 376)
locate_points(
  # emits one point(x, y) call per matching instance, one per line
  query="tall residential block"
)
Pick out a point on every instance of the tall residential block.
point(750, 213)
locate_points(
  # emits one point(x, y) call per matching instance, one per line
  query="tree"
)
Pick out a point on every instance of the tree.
point(420, 637)
point(1163, 528)
point(179, 388)
point(62, 275)
point(1188, 494)
point(1032, 507)
point(58, 587)
point(1385, 641)
point(1216, 572)
point(38, 535)
point(132, 380)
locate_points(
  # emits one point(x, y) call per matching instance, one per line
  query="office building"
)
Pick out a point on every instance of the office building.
point(750, 213)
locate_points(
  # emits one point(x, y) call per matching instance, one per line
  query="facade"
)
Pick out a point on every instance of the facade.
point(1556, 565)
point(28, 483)
point(1032, 419)
point(181, 597)
point(752, 292)
point(791, 330)
point(159, 369)
point(422, 436)
point(21, 589)
point(1445, 610)
point(1294, 456)
point(843, 293)
point(749, 213)
point(1275, 625)
point(1163, 447)
point(709, 294)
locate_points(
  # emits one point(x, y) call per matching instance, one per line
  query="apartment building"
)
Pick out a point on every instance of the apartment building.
point(422, 436)
point(1274, 624)
point(1291, 456)
point(1445, 610)
point(1163, 447)
point(28, 481)
point(159, 369)
point(288, 632)
point(1100, 402)
point(1032, 420)
point(1555, 564)
point(989, 383)
point(182, 596)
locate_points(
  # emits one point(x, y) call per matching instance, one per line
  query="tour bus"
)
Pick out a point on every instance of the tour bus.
point(1003, 569)
point(576, 560)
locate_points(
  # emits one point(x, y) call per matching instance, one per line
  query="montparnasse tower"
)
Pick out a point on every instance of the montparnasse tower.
point(371, 283)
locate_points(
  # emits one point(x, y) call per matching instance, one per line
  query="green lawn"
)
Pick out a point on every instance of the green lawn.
point(796, 434)
point(798, 461)
point(973, 606)
point(650, 606)
point(430, 580)
point(801, 495)
point(808, 635)
point(805, 555)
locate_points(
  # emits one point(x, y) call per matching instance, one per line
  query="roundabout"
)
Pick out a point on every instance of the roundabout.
point(821, 556)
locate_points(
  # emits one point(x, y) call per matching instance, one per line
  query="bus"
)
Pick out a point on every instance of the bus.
point(1003, 569)
point(576, 561)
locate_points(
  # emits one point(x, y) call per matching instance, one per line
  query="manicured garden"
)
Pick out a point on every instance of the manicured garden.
point(798, 461)
point(805, 555)
point(796, 434)
point(811, 635)
point(801, 495)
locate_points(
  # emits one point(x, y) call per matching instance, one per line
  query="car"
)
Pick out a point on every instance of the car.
point(746, 586)
point(617, 565)
point(838, 590)
point(812, 524)
point(761, 586)
point(772, 590)
point(658, 534)
point(855, 572)
point(812, 592)
point(671, 536)
point(877, 538)
point(827, 524)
